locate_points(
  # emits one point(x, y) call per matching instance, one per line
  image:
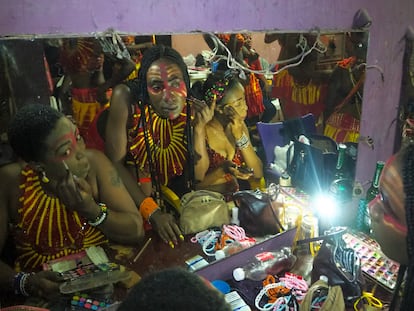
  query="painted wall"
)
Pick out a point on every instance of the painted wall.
point(390, 20)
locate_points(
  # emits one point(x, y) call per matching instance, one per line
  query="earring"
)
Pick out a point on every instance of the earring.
point(44, 178)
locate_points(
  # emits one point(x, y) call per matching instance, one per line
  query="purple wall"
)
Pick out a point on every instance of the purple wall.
point(390, 21)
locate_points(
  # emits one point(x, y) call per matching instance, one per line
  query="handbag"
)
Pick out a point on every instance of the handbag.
point(257, 215)
point(340, 264)
point(202, 209)
point(313, 165)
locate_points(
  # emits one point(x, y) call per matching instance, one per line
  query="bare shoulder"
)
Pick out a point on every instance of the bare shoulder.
point(121, 91)
point(9, 187)
point(10, 173)
point(102, 169)
point(96, 157)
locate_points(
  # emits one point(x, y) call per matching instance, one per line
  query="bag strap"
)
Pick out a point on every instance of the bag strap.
point(332, 233)
point(356, 87)
point(274, 215)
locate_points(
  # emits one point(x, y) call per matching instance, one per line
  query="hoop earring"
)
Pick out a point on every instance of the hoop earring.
point(44, 178)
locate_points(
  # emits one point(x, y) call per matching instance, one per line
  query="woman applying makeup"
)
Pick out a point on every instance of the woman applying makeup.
point(392, 222)
point(58, 200)
point(227, 157)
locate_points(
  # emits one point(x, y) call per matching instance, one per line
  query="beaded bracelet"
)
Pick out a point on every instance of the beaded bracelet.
point(243, 142)
point(20, 282)
point(101, 217)
point(148, 207)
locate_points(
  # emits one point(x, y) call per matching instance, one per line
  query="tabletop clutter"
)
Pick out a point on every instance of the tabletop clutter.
point(253, 259)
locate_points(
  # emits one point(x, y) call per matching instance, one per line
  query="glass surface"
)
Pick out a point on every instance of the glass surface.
point(32, 71)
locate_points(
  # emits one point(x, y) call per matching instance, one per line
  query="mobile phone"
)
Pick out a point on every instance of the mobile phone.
point(245, 170)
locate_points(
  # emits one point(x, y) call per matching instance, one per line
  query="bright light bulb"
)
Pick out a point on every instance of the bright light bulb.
point(325, 206)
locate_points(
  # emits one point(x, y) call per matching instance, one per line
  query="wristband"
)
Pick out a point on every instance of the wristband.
point(20, 282)
point(101, 217)
point(148, 207)
point(145, 179)
point(243, 142)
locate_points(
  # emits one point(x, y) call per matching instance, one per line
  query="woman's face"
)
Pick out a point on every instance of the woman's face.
point(166, 88)
point(387, 213)
point(235, 99)
point(65, 147)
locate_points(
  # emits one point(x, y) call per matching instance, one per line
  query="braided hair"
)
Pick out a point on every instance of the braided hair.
point(29, 129)
point(217, 84)
point(140, 95)
point(138, 86)
point(408, 180)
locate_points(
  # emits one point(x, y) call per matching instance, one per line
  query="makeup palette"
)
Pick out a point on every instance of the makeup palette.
point(374, 263)
point(84, 301)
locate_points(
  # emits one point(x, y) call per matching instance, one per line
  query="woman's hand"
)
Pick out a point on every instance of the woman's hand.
point(74, 192)
point(202, 112)
point(44, 284)
point(167, 228)
point(237, 123)
point(241, 173)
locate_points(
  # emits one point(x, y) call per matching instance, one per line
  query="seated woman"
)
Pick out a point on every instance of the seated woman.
point(392, 219)
point(58, 200)
point(226, 153)
point(146, 133)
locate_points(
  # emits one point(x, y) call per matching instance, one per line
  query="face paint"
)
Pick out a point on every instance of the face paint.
point(166, 88)
point(69, 142)
point(389, 218)
point(169, 87)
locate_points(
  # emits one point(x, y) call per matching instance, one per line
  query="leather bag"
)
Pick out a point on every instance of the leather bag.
point(313, 165)
point(257, 214)
point(201, 210)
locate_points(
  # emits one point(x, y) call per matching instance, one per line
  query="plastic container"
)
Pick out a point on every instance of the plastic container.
point(229, 250)
point(266, 263)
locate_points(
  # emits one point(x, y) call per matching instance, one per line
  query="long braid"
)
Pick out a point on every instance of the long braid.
point(151, 55)
point(408, 179)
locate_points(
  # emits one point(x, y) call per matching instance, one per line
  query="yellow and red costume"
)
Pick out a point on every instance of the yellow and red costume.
point(168, 144)
point(298, 100)
point(76, 57)
point(344, 123)
point(46, 229)
point(167, 140)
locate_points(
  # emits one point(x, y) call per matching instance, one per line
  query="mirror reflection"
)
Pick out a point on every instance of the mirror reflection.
point(190, 111)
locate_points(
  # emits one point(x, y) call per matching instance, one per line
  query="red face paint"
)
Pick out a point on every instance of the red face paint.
point(175, 86)
point(389, 218)
point(67, 143)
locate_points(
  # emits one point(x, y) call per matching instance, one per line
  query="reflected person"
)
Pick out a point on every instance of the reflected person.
point(60, 199)
point(146, 133)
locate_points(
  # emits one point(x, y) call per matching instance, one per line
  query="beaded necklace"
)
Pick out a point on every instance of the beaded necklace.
point(167, 142)
point(46, 229)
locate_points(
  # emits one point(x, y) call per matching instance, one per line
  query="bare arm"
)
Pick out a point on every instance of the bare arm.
point(7, 272)
point(116, 139)
point(238, 128)
point(116, 149)
point(203, 114)
point(124, 222)
point(251, 158)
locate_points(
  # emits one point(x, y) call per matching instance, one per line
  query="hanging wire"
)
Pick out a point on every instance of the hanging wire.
point(232, 63)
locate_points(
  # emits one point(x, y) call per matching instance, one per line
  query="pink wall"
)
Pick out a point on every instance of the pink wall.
point(194, 44)
point(390, 20)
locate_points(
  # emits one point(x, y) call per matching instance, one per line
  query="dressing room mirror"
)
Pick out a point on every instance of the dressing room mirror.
point(309, 59)
point(299, 70)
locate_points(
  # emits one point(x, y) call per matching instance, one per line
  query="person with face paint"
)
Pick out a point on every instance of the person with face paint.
point(58, 199)
point(146, 132)
point(392, 221)
point(227, 156)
